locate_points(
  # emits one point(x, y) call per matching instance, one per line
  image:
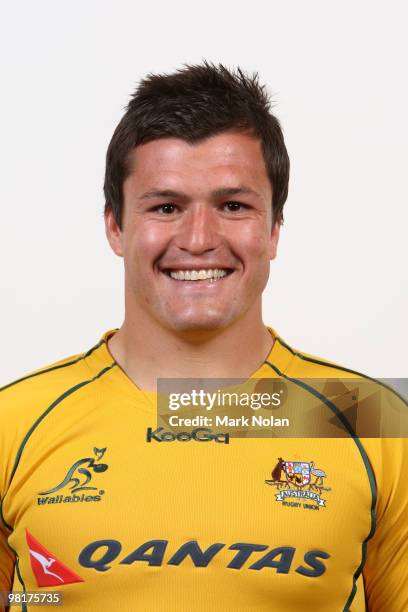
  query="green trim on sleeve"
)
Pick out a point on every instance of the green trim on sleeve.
point(42, 417)
point(367, 465)
point(338, 367)
point(55, 367)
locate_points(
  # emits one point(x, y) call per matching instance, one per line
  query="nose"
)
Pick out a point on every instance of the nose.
point(199, 230)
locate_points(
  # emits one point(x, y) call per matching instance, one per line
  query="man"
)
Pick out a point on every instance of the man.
point(94, 504)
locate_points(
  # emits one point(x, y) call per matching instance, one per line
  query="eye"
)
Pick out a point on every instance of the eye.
point(165, 209)
point(234, 206)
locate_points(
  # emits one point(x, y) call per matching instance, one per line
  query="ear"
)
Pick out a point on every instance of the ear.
point(113, 233)
point(274, 239)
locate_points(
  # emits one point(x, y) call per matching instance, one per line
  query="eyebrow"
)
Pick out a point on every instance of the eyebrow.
point(218, 193)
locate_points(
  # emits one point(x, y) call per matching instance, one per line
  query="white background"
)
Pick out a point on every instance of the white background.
point(337, 72)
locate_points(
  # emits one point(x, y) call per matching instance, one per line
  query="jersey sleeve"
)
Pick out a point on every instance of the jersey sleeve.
point(7, 557)
point(22, 403)
point(386, 568)
point(7, 561)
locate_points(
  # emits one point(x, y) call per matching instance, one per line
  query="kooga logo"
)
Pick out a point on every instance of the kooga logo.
point(201, 434)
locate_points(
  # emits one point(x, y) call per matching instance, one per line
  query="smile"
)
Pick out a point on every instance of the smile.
point(213, 275)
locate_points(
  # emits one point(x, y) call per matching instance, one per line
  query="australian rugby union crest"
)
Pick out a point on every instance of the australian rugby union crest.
point(299, 483)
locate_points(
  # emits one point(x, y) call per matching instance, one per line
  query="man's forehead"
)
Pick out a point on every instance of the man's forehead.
point(224, 162)
point(230, 143)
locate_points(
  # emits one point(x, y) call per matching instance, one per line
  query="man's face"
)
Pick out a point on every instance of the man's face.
point(204, 212)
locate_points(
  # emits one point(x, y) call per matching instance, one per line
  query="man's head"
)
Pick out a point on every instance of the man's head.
point(193, 104)
point(196, 179)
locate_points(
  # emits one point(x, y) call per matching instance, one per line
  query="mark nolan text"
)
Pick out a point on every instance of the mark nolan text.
point(253, 421)
point(226, 421)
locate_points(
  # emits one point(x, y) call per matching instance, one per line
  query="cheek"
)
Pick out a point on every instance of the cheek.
point(254, 242)
point(145, 244)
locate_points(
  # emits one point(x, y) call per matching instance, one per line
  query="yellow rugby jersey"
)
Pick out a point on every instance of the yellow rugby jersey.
point(94, 504)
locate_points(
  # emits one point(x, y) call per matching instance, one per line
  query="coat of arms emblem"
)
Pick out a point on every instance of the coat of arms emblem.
point(298, 479)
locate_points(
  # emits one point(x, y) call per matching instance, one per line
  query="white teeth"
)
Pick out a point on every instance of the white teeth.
point(194, 275)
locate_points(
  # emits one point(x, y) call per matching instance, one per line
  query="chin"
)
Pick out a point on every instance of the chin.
point(185, 325)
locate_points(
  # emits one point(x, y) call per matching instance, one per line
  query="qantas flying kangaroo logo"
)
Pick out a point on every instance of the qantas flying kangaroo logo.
point(77, 481)
point(45, 564)
point(47, 569)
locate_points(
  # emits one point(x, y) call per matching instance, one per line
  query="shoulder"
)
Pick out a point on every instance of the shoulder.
point(25, 398)
point(25, 402)
point(304, 364)
point(376, 412)
point(382, 410)
point(373, 413)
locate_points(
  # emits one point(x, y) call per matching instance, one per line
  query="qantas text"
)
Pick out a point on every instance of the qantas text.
point(100, 554)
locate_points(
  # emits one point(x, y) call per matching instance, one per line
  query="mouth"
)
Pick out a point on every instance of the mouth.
point(211, 275)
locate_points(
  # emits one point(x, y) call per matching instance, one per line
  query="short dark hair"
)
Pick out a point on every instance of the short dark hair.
point(194, 103)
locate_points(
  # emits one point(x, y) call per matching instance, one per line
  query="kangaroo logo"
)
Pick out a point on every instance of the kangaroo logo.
point(79, 474)
point(42, 560)
point(45, 563)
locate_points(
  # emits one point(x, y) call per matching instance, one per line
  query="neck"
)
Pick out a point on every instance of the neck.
point(147, 352)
